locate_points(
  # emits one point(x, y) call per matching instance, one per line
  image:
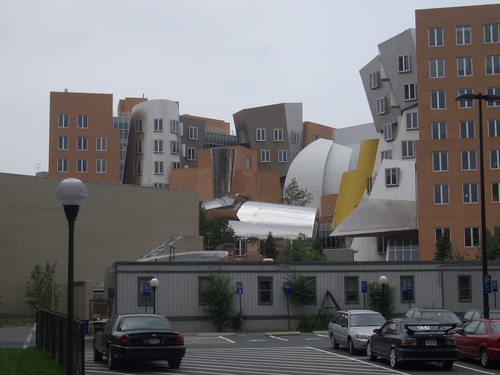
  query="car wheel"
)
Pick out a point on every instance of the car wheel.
point(393, 358)
point(369, 352)
point(112, 362)
point(97, 355)
point(447, 365)
point(484, 358)
point(335, 344)
point(174, 363)
point(352, 349)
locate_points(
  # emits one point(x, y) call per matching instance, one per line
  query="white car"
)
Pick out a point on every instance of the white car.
point(352, 328)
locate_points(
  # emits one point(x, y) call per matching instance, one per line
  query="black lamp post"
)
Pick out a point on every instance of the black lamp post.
point(484, 255)
point(154, 282)
point(383, 281)
point(52, 273)
point(71, 193)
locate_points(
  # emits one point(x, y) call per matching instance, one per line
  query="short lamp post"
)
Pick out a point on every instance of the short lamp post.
point(484, 254)
point(382, 280)
point(154, 282)
point(71, 193)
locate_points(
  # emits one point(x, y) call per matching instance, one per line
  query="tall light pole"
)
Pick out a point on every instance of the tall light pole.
point(52, 273)
point(154, 284)
point(71, 193)
point(383, 281)
point(484, 254)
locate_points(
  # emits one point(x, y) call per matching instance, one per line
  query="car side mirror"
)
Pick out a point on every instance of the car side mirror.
point(460, 331)
point(376, 330)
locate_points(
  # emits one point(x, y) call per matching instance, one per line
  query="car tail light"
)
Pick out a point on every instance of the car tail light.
point(125, 340)
point(179, 339)
point(450, 341)
point(409, 341)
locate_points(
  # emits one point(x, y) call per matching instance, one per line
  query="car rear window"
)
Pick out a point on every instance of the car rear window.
point(144, 323)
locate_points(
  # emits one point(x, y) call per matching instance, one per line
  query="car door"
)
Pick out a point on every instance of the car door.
point(464, 340)
point(103, 336)
point(477, 339)
point(381, 341)
point(343, 330)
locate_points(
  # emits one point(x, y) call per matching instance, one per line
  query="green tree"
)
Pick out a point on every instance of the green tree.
point(303, 249)
point(216, 231)
point(295, 196)
point(301, 288)
point(270, 247)
point(382, 298)
point(444, 248)
point(39, 288)
point(492, 246)
point(220, 304)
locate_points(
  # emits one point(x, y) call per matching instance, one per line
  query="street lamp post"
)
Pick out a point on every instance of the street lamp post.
point(154, 284)
point(52, 273)
point(484, 255)
point(383, 281)
point(71, 193)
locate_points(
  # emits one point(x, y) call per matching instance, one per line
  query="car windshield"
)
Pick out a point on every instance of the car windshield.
point(144, 323)
point(360, 320)
point(441, 316)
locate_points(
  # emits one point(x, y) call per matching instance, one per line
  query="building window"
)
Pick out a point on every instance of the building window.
point(158, 167)
point(464, 288)
point(260, 135)
point(265, 290)
point(62, 143)
point(435, 37)
point(82, 122)
point(469, 161)
point(265, 156)
point(373, 80)
point(408, 149)
point(491, 33)
point(464, 66)
point(240, 248)
point(282, 156)
point(467, 129)
point(278, 135)
point(438, 130)
point(402, 248)
point(158, 185)
point(101, 144)
point(176, 165)
point(100, 166)
point(158, 145)
point(369, 185)
point(386, 154)
point(495, 192)
point(158, 125)
point(440, 161)
point(440, 232)
point(314, 137)
point(471, 237)
point(193, 132)
point(82, 143)
point(62, 165)
point(381, 106)
point(493, 91)
point(438, 99)
point(494, 128)
point(81, 165)
point(494, 159)
point(138, 126)
point(174, 147)
point(391, 176)
point(311, 297)
point(465, 103)
point(174, 126)
point(463, 35)
point(404, 64)
point(406, 296)
point(492, 64)
point(388, 132)
point(411, 121)
point(248, 162)
point(410, 91)
point(63, 121)
point(436, 68)
point(351, 289)
point(469, 193)
point(191, 154)
point(441, 194)
point(138, 147)
point(137, 168)
point(295, 137)
point(203, 290)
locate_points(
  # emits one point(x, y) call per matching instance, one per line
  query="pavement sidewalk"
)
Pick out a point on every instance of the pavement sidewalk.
point(15, 337)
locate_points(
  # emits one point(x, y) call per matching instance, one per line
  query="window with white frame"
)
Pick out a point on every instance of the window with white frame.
point(282, 156)
point(466, 129)
point(138, 126)
point(464, 66)
point(137, 168)
point(386, 154)
point(82, 144)
point(381, 108)
point(265, 156)
point(138, 147)
point(265, 290)
point(193, 132)
point(351, 289)
point(295, 137)
point(158, 125)
point(438, 130)
point(493, 91)
point(373, 80)
point(411, 120)
point(402, 249)
point(176, 165)
point(441, 194)
point(408, 149)
point(158, 185)
point(63, 121)
point(82, 122)
point(388, 132)
point(440, 232)
point(438, 99)
point(491, 33)
point(392, 177)
point(62, 165)
point(101, 144)
point(248, 162)
point(410, 91)
point(494, 128)
point(495, 159)
point(240, 248)
point(158, 167)
point(81, 165)
point(404, 63)
point(174, 147)
point(260, 134)
point(436, 68)
point(465, 103)
point(191, 154)
point(492, 64)
point(100, 166)
point(463, 35)
point(464, 288)
point(435, 37)
point(440, 161)
point(158, 146)
point(174, 126)
point(62, 143)
point(278, 135)
point(469, 193)
point(495, 192)
point(469, 160)
point(471, 237)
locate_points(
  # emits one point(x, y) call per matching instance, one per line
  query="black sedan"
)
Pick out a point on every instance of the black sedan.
point(138, 337)
point(413, 340)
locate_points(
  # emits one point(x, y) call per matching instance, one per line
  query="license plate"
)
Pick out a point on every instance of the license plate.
point(154, 341)
point(430, 342)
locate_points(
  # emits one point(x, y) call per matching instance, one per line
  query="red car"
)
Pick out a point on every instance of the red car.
point(480, 339)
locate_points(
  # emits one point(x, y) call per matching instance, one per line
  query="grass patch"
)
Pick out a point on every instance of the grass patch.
point(27, 362)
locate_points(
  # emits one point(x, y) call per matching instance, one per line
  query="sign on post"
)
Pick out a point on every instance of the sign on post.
point(486, 284)
point(364, 286)
point(494, 286)
point(239, 287)
point(146, 289)
point(409, 287)
point(286, 288)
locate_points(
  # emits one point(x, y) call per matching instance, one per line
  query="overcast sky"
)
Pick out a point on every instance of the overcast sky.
point(215, 57)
